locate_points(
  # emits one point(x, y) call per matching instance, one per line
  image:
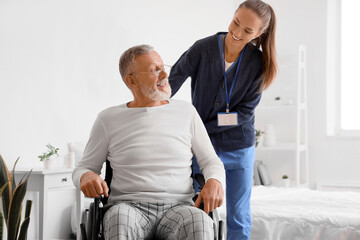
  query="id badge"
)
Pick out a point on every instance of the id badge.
point(227, 119)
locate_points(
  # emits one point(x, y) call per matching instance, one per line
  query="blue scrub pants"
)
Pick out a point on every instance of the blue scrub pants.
point(239, 174)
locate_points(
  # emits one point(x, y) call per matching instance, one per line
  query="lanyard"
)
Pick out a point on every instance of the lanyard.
point(228, 95)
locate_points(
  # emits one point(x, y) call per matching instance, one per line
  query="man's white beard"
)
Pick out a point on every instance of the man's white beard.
point(155, 94)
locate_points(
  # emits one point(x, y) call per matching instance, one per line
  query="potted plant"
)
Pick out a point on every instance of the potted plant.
point(286, 181)
point(49, 158)
point(12, 196)
point(258, 137)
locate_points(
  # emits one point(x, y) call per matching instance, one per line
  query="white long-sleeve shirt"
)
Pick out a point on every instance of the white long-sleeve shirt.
point(150, 150)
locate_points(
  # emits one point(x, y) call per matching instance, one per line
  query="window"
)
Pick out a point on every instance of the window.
point(343, 77)
point(349, 66)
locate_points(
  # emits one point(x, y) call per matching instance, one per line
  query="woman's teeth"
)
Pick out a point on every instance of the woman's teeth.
point(237, 39)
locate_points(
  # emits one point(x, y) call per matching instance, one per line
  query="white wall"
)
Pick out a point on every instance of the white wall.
point(58, 67)
point(59, 62)
point(305, 22)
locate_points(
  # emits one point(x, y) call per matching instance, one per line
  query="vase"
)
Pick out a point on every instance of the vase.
point(259, 141)
point(70, 160)
point(50, 163)
point(286, 182)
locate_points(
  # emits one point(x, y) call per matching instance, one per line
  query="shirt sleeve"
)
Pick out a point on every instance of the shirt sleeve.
point(210, 164)
point(180, 71)
point(95, 152)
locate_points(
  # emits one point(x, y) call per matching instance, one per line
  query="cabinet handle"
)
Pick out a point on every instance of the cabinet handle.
point(64, 180)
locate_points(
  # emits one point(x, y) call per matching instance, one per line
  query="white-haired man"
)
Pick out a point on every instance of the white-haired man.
point(150, 142)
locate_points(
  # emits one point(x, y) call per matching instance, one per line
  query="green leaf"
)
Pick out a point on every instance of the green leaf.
point(25, 224)
point(25, 177)
point(3, 187)
point(12, 176)
point(24, 228)
point(18, 227)
point(28, 208)
point(52, 151)
point(15, 210)
point(7, 192)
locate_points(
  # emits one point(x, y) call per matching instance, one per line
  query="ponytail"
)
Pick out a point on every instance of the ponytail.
point(266, 41)
point(269, 62)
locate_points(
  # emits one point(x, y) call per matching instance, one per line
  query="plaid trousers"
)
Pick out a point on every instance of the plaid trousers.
point(161, 221)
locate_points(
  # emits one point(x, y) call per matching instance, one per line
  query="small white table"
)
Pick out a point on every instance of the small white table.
point(45, 181)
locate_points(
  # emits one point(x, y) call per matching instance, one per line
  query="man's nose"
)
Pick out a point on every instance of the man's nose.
point(163, 74)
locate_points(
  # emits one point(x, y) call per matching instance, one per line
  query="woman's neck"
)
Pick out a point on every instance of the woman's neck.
point(232, 51)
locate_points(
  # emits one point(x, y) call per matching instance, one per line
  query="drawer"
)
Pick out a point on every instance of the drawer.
point(59, 180)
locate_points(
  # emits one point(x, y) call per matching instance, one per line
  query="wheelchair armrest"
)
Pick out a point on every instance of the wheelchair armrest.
point(200, 179)
point(97, 216)
point(83, 231)
point(94, 221)
point(201, 204)
point(214, 214)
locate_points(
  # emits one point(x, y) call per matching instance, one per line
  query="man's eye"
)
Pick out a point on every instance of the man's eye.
point(236, 23)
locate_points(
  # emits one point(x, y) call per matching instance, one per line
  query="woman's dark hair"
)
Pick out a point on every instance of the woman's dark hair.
point(266, 40)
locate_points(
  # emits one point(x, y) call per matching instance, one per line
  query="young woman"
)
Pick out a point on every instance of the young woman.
point(228, 71)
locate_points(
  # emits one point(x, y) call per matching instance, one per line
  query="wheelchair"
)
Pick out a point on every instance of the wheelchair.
point(93, 228)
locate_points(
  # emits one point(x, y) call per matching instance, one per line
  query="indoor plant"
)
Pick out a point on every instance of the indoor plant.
point(286, 181)
point(258, 137)
point(49, 156)
point(12, 196)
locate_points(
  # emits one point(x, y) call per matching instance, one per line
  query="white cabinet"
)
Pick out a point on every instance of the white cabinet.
point(284, 106)
point(53, 195)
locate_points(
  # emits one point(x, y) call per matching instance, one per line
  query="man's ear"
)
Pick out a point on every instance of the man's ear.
point(129, 80)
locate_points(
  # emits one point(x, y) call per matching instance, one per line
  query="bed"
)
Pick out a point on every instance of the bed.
point(301, 213)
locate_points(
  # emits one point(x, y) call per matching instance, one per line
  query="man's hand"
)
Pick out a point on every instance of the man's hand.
point(92, 185)
point(212, 194)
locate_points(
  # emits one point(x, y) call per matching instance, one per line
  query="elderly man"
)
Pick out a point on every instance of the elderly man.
point(150, 143)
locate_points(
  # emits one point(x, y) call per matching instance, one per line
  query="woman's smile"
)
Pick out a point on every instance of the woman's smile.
point(235, 38)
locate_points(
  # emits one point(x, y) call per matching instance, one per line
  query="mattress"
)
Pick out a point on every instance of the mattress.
point(301, 213)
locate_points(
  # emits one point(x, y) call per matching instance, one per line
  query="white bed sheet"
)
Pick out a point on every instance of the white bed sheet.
point(300, 213)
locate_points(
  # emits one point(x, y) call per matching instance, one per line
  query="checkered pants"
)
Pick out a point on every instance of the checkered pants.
point(135, 220)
